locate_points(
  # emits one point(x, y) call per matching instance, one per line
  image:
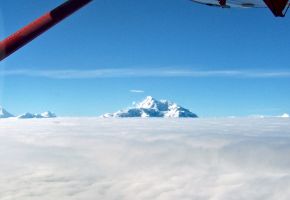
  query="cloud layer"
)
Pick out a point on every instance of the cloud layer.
point(114, 73)
point(136, 91)
point(145, 159)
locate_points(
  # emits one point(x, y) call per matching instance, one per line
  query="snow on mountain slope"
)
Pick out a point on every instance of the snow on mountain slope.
point(26, 116)
point(4, 113)
point(285, 115)
point(47, 114)
point(151, 107)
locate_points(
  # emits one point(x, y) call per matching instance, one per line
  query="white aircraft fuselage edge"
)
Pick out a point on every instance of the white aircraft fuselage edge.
point(278, 7)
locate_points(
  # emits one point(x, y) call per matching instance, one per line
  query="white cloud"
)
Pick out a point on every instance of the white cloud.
point(137, 91)
point(135, 72)
point(90, 158)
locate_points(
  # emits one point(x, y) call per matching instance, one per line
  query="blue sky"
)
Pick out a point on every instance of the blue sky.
point(216, 62)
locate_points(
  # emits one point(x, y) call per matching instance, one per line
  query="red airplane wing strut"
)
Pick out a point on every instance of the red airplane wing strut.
point(39, 26)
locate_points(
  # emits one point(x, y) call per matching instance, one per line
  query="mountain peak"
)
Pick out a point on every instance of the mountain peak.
point(148, 102)
point(48, 114)
point(4, 113)
point(150, 107)
point(151, 103)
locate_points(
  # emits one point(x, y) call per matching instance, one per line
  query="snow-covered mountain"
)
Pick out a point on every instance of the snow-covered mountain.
point(285, 115)
point(47, 114)
point(151, 107)
point(26, 116)
point(4, 113)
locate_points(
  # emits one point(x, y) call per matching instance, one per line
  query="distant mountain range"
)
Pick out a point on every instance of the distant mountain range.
point(150, 107)
point(42, 115)
point(6, 114)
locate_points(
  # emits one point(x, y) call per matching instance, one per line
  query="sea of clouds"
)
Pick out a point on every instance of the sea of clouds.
point(163, 159)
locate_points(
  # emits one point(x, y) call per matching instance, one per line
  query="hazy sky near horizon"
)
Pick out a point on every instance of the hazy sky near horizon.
point(216, 62)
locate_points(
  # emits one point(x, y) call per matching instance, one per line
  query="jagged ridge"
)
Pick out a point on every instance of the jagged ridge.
point(47, 114)
point(151, 107)
point(5, 114)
